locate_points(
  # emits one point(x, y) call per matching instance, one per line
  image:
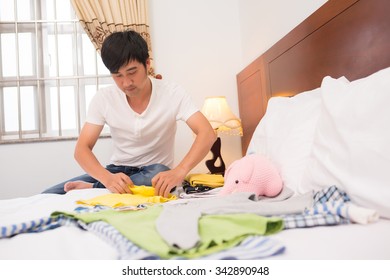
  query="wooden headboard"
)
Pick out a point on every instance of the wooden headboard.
point(348, 38)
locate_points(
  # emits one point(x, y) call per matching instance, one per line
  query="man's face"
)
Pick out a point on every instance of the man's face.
point(132, 78)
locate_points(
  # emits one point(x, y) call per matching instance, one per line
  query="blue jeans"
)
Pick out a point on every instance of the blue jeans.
point(139, 175)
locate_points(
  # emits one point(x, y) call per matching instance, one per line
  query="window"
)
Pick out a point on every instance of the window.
point(49, 71)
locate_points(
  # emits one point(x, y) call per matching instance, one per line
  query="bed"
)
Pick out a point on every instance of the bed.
point(344, 40)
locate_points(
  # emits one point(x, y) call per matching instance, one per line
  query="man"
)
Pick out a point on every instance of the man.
point(142, 113)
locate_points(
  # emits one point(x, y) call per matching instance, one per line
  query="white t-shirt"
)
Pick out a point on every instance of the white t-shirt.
point(147, 138)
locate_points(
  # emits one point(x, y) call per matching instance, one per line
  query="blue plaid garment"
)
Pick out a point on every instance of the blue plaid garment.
point(330, 201)
point(312, 220)
point(330, 208)
point(331, 193)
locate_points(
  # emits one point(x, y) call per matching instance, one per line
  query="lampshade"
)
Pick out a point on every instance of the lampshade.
point(221, 118)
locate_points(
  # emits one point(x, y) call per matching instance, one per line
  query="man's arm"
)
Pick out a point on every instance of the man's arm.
point(117, 183)
point(165, 181)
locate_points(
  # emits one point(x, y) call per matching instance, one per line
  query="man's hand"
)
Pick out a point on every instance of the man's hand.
point(165, 181)
point(118, 183)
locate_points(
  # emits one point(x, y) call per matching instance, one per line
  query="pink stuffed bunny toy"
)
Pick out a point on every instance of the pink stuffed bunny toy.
point(254, 174)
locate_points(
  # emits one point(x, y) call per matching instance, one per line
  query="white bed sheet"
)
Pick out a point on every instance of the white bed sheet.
point(63, 243)
point(365, 242)
point(342, 242)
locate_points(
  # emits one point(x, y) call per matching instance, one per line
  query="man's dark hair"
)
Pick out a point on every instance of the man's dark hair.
point(119, 48)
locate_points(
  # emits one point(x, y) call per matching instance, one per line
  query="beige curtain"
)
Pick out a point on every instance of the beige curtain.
point(99, 18)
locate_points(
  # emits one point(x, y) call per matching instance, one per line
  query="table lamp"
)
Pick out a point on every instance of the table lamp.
point(223, 121)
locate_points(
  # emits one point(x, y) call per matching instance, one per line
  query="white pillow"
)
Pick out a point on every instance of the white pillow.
point(285, 134)
point(351, 146)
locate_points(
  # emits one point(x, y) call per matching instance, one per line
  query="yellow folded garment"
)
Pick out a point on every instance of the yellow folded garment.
point(140, 195)
point(210, 180)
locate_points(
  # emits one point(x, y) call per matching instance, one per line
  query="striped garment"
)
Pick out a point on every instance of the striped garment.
point(330, 208)
point(253, 247)
point(37, 225)
point(126, 249)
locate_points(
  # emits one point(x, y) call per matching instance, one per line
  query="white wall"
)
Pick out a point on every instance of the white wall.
point(200, 44)
point(28, 169)
point(264, 22)
point(197, 44)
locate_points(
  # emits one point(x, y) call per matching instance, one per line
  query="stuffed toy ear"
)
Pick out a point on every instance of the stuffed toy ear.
point(244, 169)
point(229, 169)
point(228, 185)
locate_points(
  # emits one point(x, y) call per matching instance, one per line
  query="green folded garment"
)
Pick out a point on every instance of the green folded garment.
point(217, 232)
